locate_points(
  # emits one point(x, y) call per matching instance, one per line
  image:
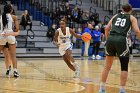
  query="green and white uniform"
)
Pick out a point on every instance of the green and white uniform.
point(117, 42)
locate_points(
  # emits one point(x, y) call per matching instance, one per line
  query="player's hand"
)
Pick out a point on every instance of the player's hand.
point(3, 34)
point(8, 34)
point(58, 45)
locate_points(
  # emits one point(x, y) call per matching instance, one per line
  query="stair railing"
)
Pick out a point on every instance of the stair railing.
point(30, 36)
point(106, 19)
point(111, 6)
point(92, 9)
point(79, 2)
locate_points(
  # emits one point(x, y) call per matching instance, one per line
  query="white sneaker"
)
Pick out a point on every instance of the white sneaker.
point(93, 56)
point(98, 57)
point(101, 91)
point(121, 91)
point(77, 74)
point(77, 70)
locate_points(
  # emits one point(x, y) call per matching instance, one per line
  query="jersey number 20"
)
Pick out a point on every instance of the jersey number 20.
point(120, 22)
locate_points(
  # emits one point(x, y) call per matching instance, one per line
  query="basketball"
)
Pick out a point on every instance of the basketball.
point(86, 37)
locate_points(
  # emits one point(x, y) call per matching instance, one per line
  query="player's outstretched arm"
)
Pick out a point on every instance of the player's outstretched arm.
point(74, 34)
point(135, 26)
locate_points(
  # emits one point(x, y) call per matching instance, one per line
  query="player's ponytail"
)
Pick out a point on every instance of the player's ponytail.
point(4, 19)
point(7, 9)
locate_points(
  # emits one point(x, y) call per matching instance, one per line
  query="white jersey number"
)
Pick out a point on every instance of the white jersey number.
point(120, 22)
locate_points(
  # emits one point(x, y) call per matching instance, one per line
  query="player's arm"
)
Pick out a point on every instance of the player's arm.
point(55, 38)
point(108, 27)
point(135, 26)
point(74, 34)
point(16, 30)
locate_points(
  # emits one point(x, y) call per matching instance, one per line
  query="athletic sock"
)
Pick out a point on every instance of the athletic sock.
point(75, 64)
point(102, 86)
point(122, 89)
point(15, 69)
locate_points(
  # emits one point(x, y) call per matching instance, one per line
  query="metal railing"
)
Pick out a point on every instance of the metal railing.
point(92, 9)
point(52, 5)
point(108, 5)
point(111, 6)
point(106, 20)
point(79, 2)
point(3, 2)
point(31, 36)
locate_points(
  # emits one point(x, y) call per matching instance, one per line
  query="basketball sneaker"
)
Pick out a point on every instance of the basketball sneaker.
point(98, 57)
point(101, 91)
point(77, 74)
point(16, 74)
point(121, 92)
point(8, 71)
point(77, 70)
point(93, 56)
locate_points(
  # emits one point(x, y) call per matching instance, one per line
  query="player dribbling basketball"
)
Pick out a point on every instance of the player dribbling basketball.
point(62, 40)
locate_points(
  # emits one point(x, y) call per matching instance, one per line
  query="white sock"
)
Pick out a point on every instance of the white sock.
point(15, 69)
point(122, 88)
point(75, 64)
point(102, 86)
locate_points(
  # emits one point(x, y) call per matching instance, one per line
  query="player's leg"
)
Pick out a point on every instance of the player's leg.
point(123, 53)
point(12, 50)
point(108, 64)
point(71, 59)
point(68, 63)
point(124, 61)
point(97, 50)
point(7, 60)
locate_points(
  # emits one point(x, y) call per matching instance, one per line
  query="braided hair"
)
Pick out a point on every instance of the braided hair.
point(7, 9)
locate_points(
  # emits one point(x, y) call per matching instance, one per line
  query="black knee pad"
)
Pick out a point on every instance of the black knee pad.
point(124, 63)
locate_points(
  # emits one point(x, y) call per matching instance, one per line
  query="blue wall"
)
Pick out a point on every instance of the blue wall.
point(135, 3)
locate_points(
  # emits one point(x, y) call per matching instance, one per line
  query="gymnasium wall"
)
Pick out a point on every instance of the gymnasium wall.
point(135, 3)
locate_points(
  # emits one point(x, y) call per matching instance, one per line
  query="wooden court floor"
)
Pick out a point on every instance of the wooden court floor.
point(51, 75)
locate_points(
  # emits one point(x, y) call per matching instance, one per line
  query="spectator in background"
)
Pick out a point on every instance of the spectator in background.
point(88, 30)
point(51, 32)
point(75, 14)
point(96, 35)
point(25, 20)
point(85, 18)
point(68, 13)
point(79, 41)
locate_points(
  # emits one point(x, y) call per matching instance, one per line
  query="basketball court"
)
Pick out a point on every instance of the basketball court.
point(51, 75)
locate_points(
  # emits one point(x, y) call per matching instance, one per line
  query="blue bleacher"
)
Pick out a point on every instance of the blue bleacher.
point(37, 15)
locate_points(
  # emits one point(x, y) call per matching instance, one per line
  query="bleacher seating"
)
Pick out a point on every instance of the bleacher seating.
point(27, 47)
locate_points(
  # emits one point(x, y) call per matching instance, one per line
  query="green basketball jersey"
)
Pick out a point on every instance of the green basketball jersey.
point(121, 25)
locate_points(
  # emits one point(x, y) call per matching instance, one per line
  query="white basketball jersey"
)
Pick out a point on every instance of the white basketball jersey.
point(9, 25)
point(64, 39)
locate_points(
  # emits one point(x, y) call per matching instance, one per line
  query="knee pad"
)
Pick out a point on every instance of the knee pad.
point(124, 63)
